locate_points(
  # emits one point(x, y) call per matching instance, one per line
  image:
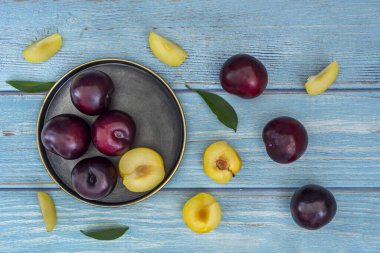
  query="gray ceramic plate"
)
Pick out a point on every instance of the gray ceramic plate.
point(160, 123)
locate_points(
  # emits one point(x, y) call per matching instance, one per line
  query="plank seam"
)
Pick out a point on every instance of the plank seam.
point(266, 92)
point(361, 189)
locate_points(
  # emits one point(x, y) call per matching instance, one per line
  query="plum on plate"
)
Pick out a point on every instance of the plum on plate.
point(113, 132)
point(66, 135)
point(285, 139)
point(91, 92)
point(244, 76)
point(94, 178)
point(313, 206)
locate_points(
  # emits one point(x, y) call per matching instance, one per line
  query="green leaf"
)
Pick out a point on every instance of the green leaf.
point(106, 234)
point(26, 86)
point(220, 107)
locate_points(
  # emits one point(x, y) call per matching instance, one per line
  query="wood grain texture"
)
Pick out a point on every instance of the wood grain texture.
point(343, 151)
point(293, 39)
point(253, 221)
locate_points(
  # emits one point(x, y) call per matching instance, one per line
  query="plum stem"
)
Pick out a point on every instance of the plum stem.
point(91, 179)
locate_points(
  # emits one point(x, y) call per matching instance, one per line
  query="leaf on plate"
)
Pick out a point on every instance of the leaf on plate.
point(220, 107)
point(27, 86)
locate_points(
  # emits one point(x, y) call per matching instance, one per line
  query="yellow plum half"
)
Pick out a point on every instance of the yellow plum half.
point(202, 213)
point(221, 162)
point(142, 169)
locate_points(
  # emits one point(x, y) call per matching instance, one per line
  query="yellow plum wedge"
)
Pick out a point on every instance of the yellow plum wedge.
point(221, 162)
point(318, 84)
point(202, 213)
point(43, 49)
point(48, 210)
point(166, 51)
point(142, 169)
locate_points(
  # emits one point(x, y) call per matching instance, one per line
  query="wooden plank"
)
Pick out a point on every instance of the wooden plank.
point(343, 151)
point(293, 40)
point(253, 221)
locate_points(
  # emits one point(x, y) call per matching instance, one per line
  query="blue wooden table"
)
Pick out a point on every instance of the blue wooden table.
point(294, 39)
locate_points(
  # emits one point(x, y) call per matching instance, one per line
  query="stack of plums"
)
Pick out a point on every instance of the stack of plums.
point(112, 133)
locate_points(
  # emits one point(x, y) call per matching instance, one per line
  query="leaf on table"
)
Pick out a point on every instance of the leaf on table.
point(220, 107)
point(107, 233)
point(27, 86)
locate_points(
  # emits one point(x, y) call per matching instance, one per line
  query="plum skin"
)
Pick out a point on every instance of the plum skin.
point(285, 139)
point(66, 135)
point(91, 92)
point(244, 76)
point(313, 206)
point(113, 132)
point(94, 178)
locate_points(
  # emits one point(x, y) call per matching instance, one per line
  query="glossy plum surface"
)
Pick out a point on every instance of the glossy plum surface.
point(91, 92)
point(285, 139)
point(67, 136)
point(313, 206)
point(244, 75)
point(113, 132)
point(94, 178)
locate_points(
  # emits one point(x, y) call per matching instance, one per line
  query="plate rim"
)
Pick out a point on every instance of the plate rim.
point(128, 62)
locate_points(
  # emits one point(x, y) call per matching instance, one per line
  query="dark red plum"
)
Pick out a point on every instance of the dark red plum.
point(113, 133)
point(94, 178)
point(67, 136)
point(313, 206)
point(285, 139)
point(91, 92)
point(244, 76)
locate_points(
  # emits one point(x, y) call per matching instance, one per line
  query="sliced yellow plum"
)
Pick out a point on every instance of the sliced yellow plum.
point(202, 213)
point(166, 51)
point(221, 162)
point(318, 84)
point(48, 210)
point(43, 49)
point(142, 169)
